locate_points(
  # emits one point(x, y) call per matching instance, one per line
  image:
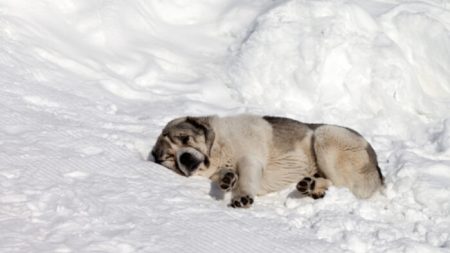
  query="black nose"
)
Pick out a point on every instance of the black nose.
point(189, 161)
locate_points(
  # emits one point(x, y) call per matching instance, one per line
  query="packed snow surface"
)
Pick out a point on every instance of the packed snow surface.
point(86, 87)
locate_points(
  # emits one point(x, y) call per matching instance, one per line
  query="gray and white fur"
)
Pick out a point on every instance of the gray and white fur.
point(251, 155)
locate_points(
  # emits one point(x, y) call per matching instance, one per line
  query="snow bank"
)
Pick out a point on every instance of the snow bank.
point(327, 60)
point(87, 85)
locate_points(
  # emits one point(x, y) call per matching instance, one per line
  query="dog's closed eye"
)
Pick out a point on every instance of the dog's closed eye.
point(184, 139)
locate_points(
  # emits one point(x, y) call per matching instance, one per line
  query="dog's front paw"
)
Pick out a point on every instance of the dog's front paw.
point(242, 201)
point(228, 180)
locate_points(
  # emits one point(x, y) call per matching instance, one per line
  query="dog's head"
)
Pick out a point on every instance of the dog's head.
point(184, 145)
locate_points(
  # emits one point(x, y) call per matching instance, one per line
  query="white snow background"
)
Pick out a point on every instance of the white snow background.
point(87, 85)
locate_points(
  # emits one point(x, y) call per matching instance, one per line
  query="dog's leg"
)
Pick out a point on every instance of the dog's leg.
point(313, 187)
point(250, 173)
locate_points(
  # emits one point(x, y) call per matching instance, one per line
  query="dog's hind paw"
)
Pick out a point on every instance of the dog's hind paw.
point(228, 180)
point(307, 186)
point(241, 201)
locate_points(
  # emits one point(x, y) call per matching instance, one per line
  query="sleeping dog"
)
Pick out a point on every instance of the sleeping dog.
point(251, 155)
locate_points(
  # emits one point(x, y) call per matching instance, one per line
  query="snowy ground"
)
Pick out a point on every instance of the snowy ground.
point(86, 86)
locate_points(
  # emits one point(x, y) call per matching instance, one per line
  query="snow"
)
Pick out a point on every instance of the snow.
point(86, 86)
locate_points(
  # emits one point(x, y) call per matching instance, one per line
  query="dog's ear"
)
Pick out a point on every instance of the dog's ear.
point(204, 123)
point(169, 126)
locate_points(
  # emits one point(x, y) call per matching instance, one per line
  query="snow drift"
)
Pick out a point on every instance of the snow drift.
point(86, 87)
